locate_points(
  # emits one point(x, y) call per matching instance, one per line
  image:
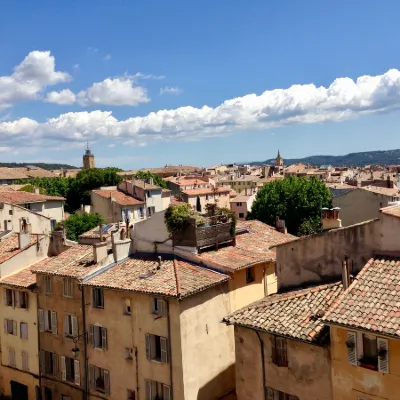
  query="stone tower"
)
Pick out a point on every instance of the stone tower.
point(88, 159)
point(279, 160)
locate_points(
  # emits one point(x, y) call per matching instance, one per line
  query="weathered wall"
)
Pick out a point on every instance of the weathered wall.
point(359, 205)
point(57, 343)
point(208, 352)
point(10, 374)
point(350, 381)
point(389, 229)
point(319, 257)
point(308, 375)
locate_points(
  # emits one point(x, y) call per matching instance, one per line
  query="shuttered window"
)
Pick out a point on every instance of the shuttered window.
point(25, 361)
point(159, 307)
point(23, 329)
point(70, 326)
point(274, 394)
point(157, 390)
point(70, 370)
point(68, 287)
point(48, 363)
point(10, 327)
point(98, 336)
point(351, 344)
point(99, 379)
point(157, 348)
point(47, 284)
point(11, 357)
point(383, 355)
point(279, 351)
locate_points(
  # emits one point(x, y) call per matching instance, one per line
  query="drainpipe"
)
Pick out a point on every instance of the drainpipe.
point(40, 366)
point(85, 364)
point(262, 363)
point(169, 350)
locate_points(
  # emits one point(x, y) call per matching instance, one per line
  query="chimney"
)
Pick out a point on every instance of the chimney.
point(57, 243)
point(36, 190)
point(99, 251)
point(346, 272)
point(280, 225)
point(101, 232)
point(121, 248)
point(159, 262)
point(24, 237)
point(330, 218)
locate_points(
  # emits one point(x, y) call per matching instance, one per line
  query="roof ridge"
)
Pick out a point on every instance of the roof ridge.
point(177, 281)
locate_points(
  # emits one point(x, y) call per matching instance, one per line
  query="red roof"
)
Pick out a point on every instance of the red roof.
point(121, 198)
point(202, 191)
point(22, 279)
point(16, 197)
point(9, 246)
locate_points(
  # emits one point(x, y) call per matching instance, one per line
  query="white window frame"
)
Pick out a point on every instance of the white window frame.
point(25, 360)
point(10, 327)
point(71, 326)
point(23, 330)
point(68, 287)
point(76, 373)
point(98, 336)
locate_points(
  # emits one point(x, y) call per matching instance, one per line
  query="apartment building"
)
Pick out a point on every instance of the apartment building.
point(19, 370)
point(178, 184)
point(199, 198)
point(282, 346)
point(241, 204)
point(238, 182)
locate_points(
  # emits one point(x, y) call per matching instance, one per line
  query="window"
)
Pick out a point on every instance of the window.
point(239, 204)
point(53, 223)
point(250, 275)
point(21, 300)
point(158, 307)
point(70, 326)
point(148, 193)
point(70, 370)
point(368, 351)
point(241, 215)
point(48, 363)
point(98, 298)
point(157, 390)
point(273, 394)
point(47, 284)
point(279, 351)
point(27, 206)
point(8, 297)
point(156, 348)
point(68, 287)
point(99, 379)
point(10, 327)
point(23, 330)
point(127, 307)
point(140, 211)
point(150, 211)
point(98, 336)
point(206, 196)
point(25, 361)
point(47, 321)
point(130, 394)
point(11, 357)
point(128, 353)
point(48, 394)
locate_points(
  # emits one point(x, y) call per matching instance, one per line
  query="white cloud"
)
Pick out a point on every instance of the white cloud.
point(107, 57)
point(30, 78)
point(343, 99)
point(139, 75)
point(62, 98)
point(116, 92)
point(92, 50)
point(111, 145)
point(170, 90)
point(75, 67)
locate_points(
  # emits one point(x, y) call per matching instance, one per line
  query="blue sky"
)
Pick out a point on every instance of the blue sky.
point(104, 71)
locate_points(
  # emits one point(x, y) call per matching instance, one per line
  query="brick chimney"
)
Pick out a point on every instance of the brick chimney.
point(330, 218)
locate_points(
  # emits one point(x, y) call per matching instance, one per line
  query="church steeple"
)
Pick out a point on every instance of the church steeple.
point(279, 160)
point(88, 158)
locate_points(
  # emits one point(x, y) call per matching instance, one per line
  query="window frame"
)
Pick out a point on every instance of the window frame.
point(279, 351)
point(159, 307)
point(47, 284)
point(93, 369)
point(95, 298)
point(250, 275)
point(157, 348)
point(9, 295)
point(241, 215)
point(22, 330)
point(68, 287)
point(98, 336)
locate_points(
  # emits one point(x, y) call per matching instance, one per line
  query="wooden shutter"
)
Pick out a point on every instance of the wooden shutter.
point(152, 305)
point(42, 362)
point(162, 307)
point(270, 394)
point(166, 392)
point(41, 320)
point(17, 299)
point(383, 355)
point(351, 344)
point(273, 350)
point(74, 321)
point(23, 330)
point(5, 296)
point(91, 335)
point(104, 338)
point(164, 349)
point(91, 377)
point(148, 390)
point(26, 299)
point(54, 322)
point(66, 325)
point(77, 371)
point(106, 381)
point(14, 323)
point(55, 364)
point(47, 322)
point(148, 346)
point(281, 351)
point(13, 298)
point(5, 326)
point(63, 369)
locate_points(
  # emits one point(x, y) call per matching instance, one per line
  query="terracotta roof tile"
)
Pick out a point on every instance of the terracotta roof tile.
point(372, 301)
point(252, 247)
point(294, 314)
point(11, 173)
point(22, 279)
point(121, 198)
point(9, 246)
point(203, 191)
point(143, 185)
point(140, 274)
point(16, 197)
point(392, 210)
point(36, 172)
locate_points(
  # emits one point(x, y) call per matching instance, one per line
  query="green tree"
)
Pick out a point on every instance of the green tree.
point(76, 224)
point(298, 201)
point(156, 179)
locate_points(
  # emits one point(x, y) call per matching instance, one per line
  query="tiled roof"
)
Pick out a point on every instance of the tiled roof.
point(16, 197)
point(121, 198)
point(294, 314)
point(252, 247)
point(392, 210)
point(36, 172)
point(9, 246)
point(382, 190)
point(372, 301)
point(74, 262)
point(243, 197)
point(11, 173)
point(21, 279)
point(140, 274)
point(143, 185)
point(95, 232)
point(12, 187)
point(203, 191)
point(296, 168)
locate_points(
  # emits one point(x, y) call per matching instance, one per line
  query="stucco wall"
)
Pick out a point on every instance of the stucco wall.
point(308, 375)
point(207, 345)
point(389, 237)
point(351, 381)
point(319, 257)
point(9, 374)
point(359, 205)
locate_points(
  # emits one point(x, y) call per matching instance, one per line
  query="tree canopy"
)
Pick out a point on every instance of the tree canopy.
point(77, 224)
point(298, 201)
point(156, 179)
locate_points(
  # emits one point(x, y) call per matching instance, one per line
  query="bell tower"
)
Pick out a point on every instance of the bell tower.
point(279, 160)
point(88, 158)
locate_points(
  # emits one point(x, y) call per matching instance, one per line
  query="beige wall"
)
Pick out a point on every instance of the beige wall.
point(389, 235)
point(359, 205)
point(318, 257)
point(57, 343)
point(207, 345)
point(308, 375)
point(350, 381)
point(221, 201)
point(29, 316)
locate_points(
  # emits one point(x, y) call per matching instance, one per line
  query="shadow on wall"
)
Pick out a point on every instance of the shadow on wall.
point(212, 389)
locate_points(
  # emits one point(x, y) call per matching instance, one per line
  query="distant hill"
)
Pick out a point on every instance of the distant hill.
point(381, 157)
point(46, 166)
